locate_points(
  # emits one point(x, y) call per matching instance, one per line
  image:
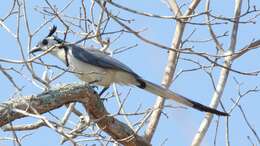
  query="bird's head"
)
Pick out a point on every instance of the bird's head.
point(48, 42)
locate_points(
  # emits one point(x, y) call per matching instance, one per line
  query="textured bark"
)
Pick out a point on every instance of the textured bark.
point(55, 98)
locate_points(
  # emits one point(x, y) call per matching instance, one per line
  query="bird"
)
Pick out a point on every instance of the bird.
point(94, 66)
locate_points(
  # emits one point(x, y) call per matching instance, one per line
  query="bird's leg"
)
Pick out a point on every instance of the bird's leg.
point(103, 90)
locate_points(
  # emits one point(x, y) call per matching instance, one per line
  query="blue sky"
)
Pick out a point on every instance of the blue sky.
point(180, 125)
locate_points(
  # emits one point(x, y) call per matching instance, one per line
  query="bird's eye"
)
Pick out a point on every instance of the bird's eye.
point(45, 42)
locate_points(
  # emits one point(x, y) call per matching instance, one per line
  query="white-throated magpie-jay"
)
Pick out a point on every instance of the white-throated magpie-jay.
point(94, 66)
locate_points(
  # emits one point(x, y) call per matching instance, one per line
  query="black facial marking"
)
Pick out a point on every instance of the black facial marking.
point(66, 49)
point(59, 40)
point(45, 42)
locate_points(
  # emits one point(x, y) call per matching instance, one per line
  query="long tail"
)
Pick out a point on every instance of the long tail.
point(160, 91)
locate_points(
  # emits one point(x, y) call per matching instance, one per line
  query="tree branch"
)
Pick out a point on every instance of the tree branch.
point(222, 79)
point(58, 97)
point(171, 65)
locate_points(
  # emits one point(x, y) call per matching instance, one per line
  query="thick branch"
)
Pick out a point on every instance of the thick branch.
point(171, 65)
point(222, 79)
point(71, 93)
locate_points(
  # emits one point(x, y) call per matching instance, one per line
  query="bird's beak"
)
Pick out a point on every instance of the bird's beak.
point(35, 49)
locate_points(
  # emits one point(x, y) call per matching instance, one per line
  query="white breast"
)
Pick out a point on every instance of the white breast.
point(94, 74)
point(90, 73)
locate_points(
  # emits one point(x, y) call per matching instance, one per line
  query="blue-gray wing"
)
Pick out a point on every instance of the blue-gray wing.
point(100, 59)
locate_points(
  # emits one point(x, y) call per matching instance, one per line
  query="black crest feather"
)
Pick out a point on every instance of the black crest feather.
point(52, 31)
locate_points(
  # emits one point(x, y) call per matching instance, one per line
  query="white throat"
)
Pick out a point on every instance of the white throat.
point(59, 53)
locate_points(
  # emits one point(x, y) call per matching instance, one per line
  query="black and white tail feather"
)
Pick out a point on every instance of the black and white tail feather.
point(163, 92)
